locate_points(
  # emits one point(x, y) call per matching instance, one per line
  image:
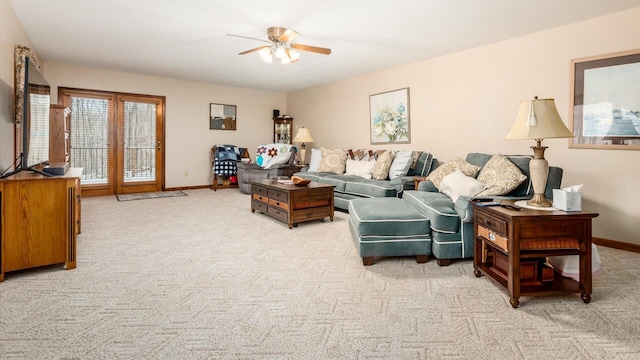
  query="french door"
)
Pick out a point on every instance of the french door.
point(118, 139)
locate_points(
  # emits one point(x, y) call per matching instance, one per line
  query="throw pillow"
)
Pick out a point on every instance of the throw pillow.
point(450, 167)
point(500, 176)
point(383, 163)
point(364, 169)
point(333, 161)
point(357, 154)
point(316, 156)
point(457, 183)
point(415, 157)
point(401, 163)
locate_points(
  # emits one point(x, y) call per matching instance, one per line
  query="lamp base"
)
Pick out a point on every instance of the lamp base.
point(303, 155)
point(538, 200)
point(539, 172)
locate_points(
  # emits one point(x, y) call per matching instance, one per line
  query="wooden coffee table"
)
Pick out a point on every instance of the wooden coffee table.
point(292, 204)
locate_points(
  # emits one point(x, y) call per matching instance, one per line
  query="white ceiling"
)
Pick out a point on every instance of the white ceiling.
point(185, 39)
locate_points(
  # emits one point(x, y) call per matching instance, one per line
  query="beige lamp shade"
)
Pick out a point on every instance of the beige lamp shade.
point(538, 119)
point(303, 135)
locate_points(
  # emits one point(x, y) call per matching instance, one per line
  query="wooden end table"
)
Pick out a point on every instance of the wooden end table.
point(292, 204)
point(511, 247)
point(417, 180)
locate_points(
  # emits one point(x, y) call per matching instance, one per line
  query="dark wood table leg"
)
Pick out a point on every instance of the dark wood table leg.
point(514, 303)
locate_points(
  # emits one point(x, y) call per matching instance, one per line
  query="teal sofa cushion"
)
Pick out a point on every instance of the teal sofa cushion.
point(436, 206)
point(388, 227)
point(369, 187)
point(386, 217)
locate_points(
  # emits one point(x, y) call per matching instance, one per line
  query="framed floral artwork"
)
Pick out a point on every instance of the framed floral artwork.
point(606, 101)
point(389, 112)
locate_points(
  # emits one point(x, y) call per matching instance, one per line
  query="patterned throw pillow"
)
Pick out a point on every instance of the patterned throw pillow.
point(383, 163)
point(333, 161)
point(500, 176)
point(416, 157)
point(358, 154)
point(450, 167)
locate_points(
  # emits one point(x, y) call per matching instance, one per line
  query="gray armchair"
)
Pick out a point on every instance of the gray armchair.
point(248, 172)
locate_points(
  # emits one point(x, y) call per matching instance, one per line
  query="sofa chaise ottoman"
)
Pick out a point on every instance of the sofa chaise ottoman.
point(383, 227)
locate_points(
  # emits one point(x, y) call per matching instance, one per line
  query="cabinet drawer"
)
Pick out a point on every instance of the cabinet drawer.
point(278, 203)
point(259, 206)
point(280, 196)
point(261, 198)
point(259, 190)
point(493, 224)
point(501, 241)
point(278, 213)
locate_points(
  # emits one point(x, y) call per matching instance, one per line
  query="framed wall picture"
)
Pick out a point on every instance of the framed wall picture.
point(605, 94)
point(222, 117)
point(389, 117)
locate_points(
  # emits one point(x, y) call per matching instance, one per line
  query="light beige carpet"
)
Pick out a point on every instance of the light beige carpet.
point(201, 277)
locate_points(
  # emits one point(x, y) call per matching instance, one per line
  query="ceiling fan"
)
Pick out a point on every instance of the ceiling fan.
point(280, 45)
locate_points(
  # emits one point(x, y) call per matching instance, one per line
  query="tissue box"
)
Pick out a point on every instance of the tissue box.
point(567, 200)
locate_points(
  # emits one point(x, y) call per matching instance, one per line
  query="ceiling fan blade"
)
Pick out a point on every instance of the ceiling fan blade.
point(288, 35)
point(315, 49)
point(251, 38)
point(252, 50)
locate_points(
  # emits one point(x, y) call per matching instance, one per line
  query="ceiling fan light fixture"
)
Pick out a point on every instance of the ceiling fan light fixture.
point(265, 53)
point(280, 52)
point(294, 55)
point(281, 47)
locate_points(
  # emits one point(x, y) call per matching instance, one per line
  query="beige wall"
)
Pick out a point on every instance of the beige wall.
point(467, 102)
point(188, 138)
point(11, 33)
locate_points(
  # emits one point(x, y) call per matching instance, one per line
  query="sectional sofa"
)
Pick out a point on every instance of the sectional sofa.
point(395, 227)
point(349, 185)
point(451, 221)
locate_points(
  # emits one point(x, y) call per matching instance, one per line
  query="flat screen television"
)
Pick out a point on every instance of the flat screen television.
point(35, 122)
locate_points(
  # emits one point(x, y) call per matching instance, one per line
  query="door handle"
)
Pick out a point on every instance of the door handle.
point(158, 145)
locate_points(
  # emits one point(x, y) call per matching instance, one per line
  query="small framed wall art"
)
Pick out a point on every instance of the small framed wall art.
point(605, 95)
point(222, 117)
point(389, 117)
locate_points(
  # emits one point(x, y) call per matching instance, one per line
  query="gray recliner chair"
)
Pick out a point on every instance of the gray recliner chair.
point(266, 166)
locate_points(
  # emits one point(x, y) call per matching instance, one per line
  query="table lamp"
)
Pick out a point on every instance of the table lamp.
point(303, 135)
point(538, 119)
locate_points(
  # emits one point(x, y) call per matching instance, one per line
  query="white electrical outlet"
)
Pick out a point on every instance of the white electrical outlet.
point(186, 173)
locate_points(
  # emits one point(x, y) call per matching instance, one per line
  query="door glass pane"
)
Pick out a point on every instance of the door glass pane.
point(139, 141)
point(89, 139)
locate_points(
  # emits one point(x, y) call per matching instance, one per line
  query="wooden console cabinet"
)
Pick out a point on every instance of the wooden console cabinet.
point(40, 219)
point(511, 246)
